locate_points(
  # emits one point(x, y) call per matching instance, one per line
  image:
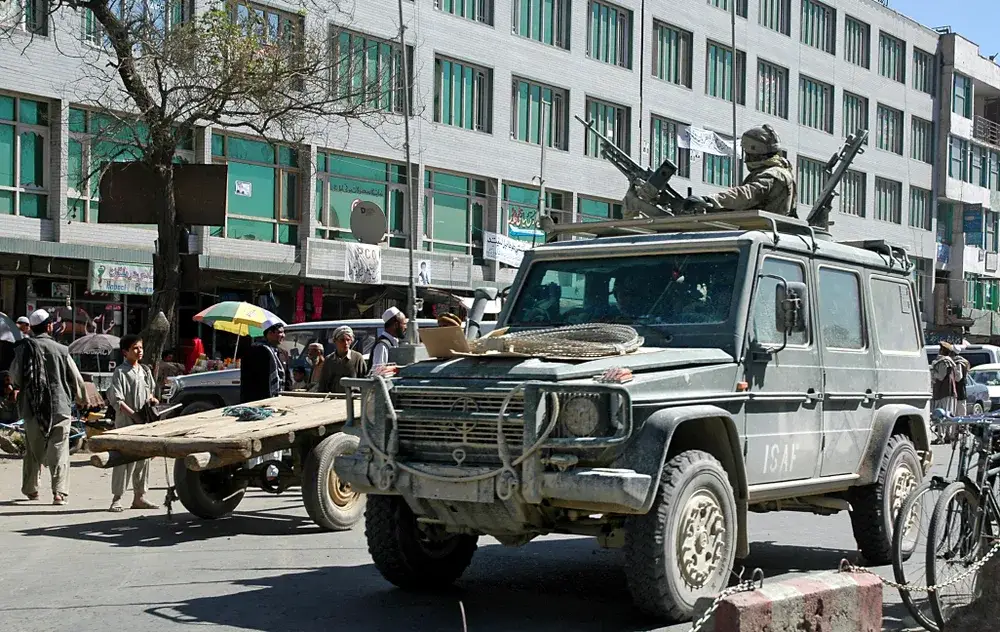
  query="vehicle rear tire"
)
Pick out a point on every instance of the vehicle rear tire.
point(330, 502)
point(209, 494)
point(978, 409)
point(198, 406)
point(409, 556)
point(684, 548)
point(874, 507)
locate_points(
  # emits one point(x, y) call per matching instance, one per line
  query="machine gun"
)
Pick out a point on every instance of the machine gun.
point(835, 168)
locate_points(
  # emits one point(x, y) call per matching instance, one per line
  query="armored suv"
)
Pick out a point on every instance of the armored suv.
point(779, 371)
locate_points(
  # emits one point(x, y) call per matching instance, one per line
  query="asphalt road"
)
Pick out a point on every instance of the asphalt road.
point(269, 568)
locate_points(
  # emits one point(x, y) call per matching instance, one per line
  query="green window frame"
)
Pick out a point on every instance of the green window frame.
point(672, 54)
point(921, 140)
point(889, 129)
point(815, 104)
point(24, 157)
point(819, 26)
point(30, 16)
point(776, 15)
point(923, 71)
point(920, 208)
point(958, 158)
point(611, 120)
point(994, 181)
point(264, 188)
point(463, 95)
point(474, 10)
point(811, 179)
point(342, 178)
point(369, 70)
point(716, 170)
point(726, 5)
point(857, 42)
point(855, 116)
point(888, 200)
point(891, 57)
point(519, 207)
point(719, 73)
point(772, 89)
point(663, 145)
point(545, 21)
point(159, 15)
point(527, 108)
point(454, 212)
point(961, 100)
point(979, 165)
point(991, 222)
point(945, 221)
point(853, 193)
point(594, 210)
point(609, 34)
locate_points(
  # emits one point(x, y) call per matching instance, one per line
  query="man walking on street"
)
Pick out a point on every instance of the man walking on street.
point(944, 391)
point(395, 328)
point(131, 389)
point(49, 383)
point(343, 362)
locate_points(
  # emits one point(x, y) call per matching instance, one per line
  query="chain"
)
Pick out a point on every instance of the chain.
point(755, 582)
point(846, 566)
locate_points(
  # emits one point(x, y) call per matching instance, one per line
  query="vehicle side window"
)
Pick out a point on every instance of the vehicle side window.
point(840, 309)
point(894, 315)
point(763, 318)
point(296, 341)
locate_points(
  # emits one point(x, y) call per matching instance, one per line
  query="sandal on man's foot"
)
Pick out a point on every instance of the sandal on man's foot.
point(142, 503)
point(58, 499)
point(32, 496)
point(116, 506)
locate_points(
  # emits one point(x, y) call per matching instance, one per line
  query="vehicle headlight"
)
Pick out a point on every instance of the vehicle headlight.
point(583, 416)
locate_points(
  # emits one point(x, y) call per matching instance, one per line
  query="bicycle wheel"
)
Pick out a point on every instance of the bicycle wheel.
point(910, 535)
point(961, 534)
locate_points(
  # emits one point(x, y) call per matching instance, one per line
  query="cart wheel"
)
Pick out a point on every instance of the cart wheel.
point(209, 494)
point(330, 502)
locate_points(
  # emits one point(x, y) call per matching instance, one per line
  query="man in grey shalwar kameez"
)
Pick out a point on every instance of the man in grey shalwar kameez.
point(944, 391)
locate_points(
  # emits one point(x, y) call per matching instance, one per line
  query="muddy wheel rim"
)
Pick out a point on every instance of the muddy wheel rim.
point(902, 483)
point(340, 491)
point(701, 539)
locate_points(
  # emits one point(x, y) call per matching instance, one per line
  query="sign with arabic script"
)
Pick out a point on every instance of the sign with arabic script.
point(121, 278)
point(504, 249)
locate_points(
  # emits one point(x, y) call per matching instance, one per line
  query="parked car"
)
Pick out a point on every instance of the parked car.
point(987, 376)
point(975, 354)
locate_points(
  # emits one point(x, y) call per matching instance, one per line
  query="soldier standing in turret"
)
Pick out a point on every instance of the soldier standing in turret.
point(770, 185)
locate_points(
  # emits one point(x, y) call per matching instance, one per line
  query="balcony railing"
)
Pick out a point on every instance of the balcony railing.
point(986, 130)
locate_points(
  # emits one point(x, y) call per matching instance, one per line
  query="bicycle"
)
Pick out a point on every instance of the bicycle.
point(77, 436)
point(965, 526)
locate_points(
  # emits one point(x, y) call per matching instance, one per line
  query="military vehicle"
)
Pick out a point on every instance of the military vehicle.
point(769, 368)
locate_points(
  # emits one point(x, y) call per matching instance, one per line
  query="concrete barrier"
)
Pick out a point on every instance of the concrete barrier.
point(819, 602)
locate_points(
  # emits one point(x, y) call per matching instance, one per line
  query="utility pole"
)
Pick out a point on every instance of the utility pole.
point(412, 335)
point(734, 171)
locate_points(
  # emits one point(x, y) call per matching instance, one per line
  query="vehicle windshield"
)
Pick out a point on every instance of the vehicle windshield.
point(644, 291)
point(987, 378)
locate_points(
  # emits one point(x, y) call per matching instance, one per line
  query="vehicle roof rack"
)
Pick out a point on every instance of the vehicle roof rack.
point(892, 253)
point(721, 220)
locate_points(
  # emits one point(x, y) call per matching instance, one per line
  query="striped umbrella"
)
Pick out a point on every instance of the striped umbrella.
point(238, 317)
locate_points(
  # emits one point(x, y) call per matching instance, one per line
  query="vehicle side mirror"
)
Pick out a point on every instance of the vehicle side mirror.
point(791, 309)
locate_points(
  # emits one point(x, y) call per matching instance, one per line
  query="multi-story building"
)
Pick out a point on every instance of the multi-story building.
point(967, 294)
point(486, 74)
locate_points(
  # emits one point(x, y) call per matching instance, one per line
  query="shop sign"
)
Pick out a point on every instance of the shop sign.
point(244, 189)
point(121, 278)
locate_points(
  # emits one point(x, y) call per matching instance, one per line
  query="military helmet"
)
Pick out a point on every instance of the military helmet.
point(761, 140)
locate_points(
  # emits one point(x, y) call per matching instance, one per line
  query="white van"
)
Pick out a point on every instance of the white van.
point(975, 354)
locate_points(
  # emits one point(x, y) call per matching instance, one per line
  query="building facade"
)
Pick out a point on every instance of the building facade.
point(493, 79)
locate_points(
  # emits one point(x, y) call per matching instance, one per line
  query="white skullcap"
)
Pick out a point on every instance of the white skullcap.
point(391, 313)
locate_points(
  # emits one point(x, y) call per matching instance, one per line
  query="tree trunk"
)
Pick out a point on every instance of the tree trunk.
point(166, 268)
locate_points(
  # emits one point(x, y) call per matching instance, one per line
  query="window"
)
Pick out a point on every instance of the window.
point(961, 101)
point(156, 15)
point(920, 208)
point(819, 24)
point(853, 192)
point(529, 102)
point(341, 179)
point(663, 145)
point(888, 201)
point(958, 158)
point(611, 120)
point(369, 70)
point(609, 34)
point(24, 157)
point(772, 89)
point(891, 57)
point(923, 71)
point(855, 113)
point(979, 165)
point(776, 15)
point(811, 180)
point(31, 16)
point(719, 73)
point(945, 218)
point(596, 210)
point(545, 21)
point(890, 129)
point(727, 5)
point(840, 309)
point(921, 140)
point(857, 42)
point(264, 195)
point(475, 10)
point(520, 211)
point(454, 208)
point(990, 220)
point(895, 316)
point(995, 170)
point(815, 104)
point(672, 54)
point(764, 331)
point(463, 95)
point(717, 169)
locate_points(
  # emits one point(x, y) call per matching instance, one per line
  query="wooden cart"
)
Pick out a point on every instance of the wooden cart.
point(213, 452)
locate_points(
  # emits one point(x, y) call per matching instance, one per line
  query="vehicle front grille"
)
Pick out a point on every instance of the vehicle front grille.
point(484, 403)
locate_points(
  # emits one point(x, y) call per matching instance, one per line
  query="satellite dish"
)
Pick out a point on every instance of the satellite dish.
point(368, 222)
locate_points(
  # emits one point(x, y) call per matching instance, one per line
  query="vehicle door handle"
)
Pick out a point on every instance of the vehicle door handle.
point(870, 396)
point(812, 395)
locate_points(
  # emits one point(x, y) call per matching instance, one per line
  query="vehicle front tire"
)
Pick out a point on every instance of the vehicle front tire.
point(874, 507)
point(330, 502)
point(978, 409)
point(409, 556)
point(197, 406)
point(684, 548)
point(209, 494)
